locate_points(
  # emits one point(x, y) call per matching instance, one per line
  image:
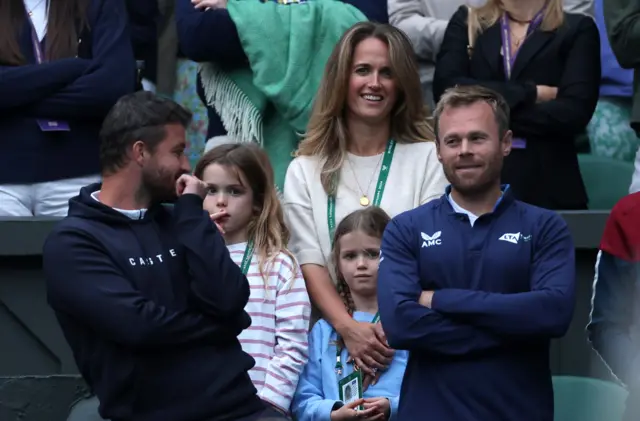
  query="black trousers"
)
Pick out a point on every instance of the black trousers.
point(87, 410)
point(268, 414)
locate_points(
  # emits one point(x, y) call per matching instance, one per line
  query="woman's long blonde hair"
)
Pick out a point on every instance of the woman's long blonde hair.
point(486, 16)
point(327, 135)
point(267, 229)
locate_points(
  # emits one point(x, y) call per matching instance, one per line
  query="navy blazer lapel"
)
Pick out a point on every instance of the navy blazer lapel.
point(529, 48)
point(488, 47)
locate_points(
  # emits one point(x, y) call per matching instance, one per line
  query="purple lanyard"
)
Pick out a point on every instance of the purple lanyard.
point(37, 47)
point(44, 124)
point(509, 57)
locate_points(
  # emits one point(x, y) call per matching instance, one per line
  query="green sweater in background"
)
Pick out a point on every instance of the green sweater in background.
point(288, 45)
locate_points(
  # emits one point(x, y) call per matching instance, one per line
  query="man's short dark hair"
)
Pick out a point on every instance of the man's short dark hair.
point(138, 116)
point(460, 96)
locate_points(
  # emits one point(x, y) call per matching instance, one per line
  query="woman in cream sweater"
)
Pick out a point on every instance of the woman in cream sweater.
point(368, 143)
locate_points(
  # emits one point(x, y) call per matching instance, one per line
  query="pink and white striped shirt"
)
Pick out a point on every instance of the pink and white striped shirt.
point(278, 336)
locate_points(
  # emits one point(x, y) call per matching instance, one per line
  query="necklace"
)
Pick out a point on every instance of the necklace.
point(517, 41)
point(364, 199)
point(379, 190)
point(30, 11)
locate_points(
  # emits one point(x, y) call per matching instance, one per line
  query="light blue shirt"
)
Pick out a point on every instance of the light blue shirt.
point(459, 209)
point(317, 391)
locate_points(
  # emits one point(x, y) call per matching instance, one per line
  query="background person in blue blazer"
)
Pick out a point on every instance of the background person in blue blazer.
point(475, 284)
point(63, 65)
point(356, 255)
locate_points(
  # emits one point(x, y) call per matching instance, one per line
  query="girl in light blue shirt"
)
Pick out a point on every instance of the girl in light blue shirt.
point(356, 254)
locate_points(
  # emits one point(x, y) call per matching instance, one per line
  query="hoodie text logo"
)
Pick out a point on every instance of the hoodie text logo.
point(150, 261)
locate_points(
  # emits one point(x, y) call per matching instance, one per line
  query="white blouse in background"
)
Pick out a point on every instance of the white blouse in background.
point(38, 9)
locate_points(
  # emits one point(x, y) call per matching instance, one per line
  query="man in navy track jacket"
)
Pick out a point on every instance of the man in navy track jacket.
point(475, 284)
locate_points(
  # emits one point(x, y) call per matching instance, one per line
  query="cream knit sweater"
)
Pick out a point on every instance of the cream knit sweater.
point(415, 177)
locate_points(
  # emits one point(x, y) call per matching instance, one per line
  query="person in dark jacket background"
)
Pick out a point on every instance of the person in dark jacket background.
point(623, 30)
point(63, 64)
point(546, 64)
point(143, 21)
point(148, 296)
point(610, 133)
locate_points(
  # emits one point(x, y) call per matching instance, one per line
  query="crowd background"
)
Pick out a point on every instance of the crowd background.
point(571, 101)
point(166, 43)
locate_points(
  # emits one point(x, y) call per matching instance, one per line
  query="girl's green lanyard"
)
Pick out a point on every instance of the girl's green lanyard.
point(246, 258)
point(375, 320)
point(380, 185)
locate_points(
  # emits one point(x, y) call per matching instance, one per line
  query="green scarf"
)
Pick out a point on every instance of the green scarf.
point(288, 46)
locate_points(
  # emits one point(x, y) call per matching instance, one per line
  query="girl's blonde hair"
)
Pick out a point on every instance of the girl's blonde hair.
point(327, 135)
point(486, 16)
point(267, 229)
point(370, 221)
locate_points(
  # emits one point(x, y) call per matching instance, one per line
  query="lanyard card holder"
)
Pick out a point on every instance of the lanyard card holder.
point(53, 125)
point(350, 388)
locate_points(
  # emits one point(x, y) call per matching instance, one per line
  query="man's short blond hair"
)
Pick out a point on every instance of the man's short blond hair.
point(460, 96)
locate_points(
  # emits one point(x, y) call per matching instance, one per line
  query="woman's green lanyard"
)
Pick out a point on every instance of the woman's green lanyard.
point(375, 320)
point(246, 258)
point(380, 185)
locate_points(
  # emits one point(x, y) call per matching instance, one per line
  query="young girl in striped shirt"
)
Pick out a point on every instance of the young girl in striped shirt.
point(243, 202)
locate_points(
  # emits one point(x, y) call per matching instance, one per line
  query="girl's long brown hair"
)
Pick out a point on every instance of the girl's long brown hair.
point(267, 228)
point(327, 135)
point(370, 221)
point(67, 18)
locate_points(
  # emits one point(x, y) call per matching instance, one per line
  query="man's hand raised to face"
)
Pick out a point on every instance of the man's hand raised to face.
point(188, 184)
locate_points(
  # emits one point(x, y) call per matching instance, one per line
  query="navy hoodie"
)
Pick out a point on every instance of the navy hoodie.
point(503, 288)
point(151, 309)
point(79, 91)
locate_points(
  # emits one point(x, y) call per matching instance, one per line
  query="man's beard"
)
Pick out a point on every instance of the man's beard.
point(159, 185)
point(479, 186)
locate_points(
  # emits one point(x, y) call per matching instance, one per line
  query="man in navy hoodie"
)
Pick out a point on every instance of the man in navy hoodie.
point(146, 294)
point(476, 283)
